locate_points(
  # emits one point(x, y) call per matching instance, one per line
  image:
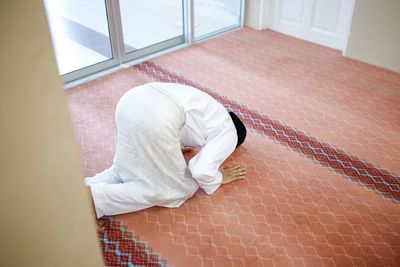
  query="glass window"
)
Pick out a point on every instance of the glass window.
point(213, 16)
point(79, 31)
point(145, 23)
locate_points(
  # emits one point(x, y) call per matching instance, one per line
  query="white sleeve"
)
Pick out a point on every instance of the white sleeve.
point(204, 166)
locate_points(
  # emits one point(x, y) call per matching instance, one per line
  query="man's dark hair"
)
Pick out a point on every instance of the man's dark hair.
point(240, 128)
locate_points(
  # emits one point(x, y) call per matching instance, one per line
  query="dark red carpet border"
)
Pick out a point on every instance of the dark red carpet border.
point(121, 248)
point(363, 172)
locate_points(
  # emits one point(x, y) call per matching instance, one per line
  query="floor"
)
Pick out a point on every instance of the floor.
point(323, 185)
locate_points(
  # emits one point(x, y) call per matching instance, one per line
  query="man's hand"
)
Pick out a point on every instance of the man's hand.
point(189, 152)
point(230, 174)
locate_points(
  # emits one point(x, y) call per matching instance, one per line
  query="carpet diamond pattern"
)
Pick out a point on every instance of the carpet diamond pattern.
point(290, 210)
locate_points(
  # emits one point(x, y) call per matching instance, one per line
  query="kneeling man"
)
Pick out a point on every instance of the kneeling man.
point(172, 139)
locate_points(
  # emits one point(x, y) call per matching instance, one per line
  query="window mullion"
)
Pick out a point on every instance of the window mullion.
point(115, 28)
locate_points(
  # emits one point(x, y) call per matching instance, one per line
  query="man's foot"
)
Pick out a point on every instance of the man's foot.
point(101, 225)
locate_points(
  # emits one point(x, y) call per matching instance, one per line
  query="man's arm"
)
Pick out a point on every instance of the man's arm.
point(229, 174)
point(206, 168)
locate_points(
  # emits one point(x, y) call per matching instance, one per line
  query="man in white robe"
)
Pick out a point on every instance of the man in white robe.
point(172, 139)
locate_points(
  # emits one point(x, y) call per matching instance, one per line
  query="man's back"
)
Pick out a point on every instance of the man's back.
point(204, 116)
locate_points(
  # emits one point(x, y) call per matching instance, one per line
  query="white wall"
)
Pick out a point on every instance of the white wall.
point(375, 33)
point(45, 215)
point(375, 30)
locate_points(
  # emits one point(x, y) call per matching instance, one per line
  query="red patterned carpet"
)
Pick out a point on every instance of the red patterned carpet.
point(322, 157)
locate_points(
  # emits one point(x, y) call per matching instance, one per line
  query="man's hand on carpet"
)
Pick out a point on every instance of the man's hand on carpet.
point(233, 173)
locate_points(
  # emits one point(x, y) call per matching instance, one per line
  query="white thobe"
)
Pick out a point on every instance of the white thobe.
point(153, 122)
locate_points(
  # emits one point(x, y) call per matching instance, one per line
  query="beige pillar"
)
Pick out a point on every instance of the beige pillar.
point(375, 33)
point(45, 215)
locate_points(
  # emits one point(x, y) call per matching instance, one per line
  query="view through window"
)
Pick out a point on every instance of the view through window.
point(87, 33)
